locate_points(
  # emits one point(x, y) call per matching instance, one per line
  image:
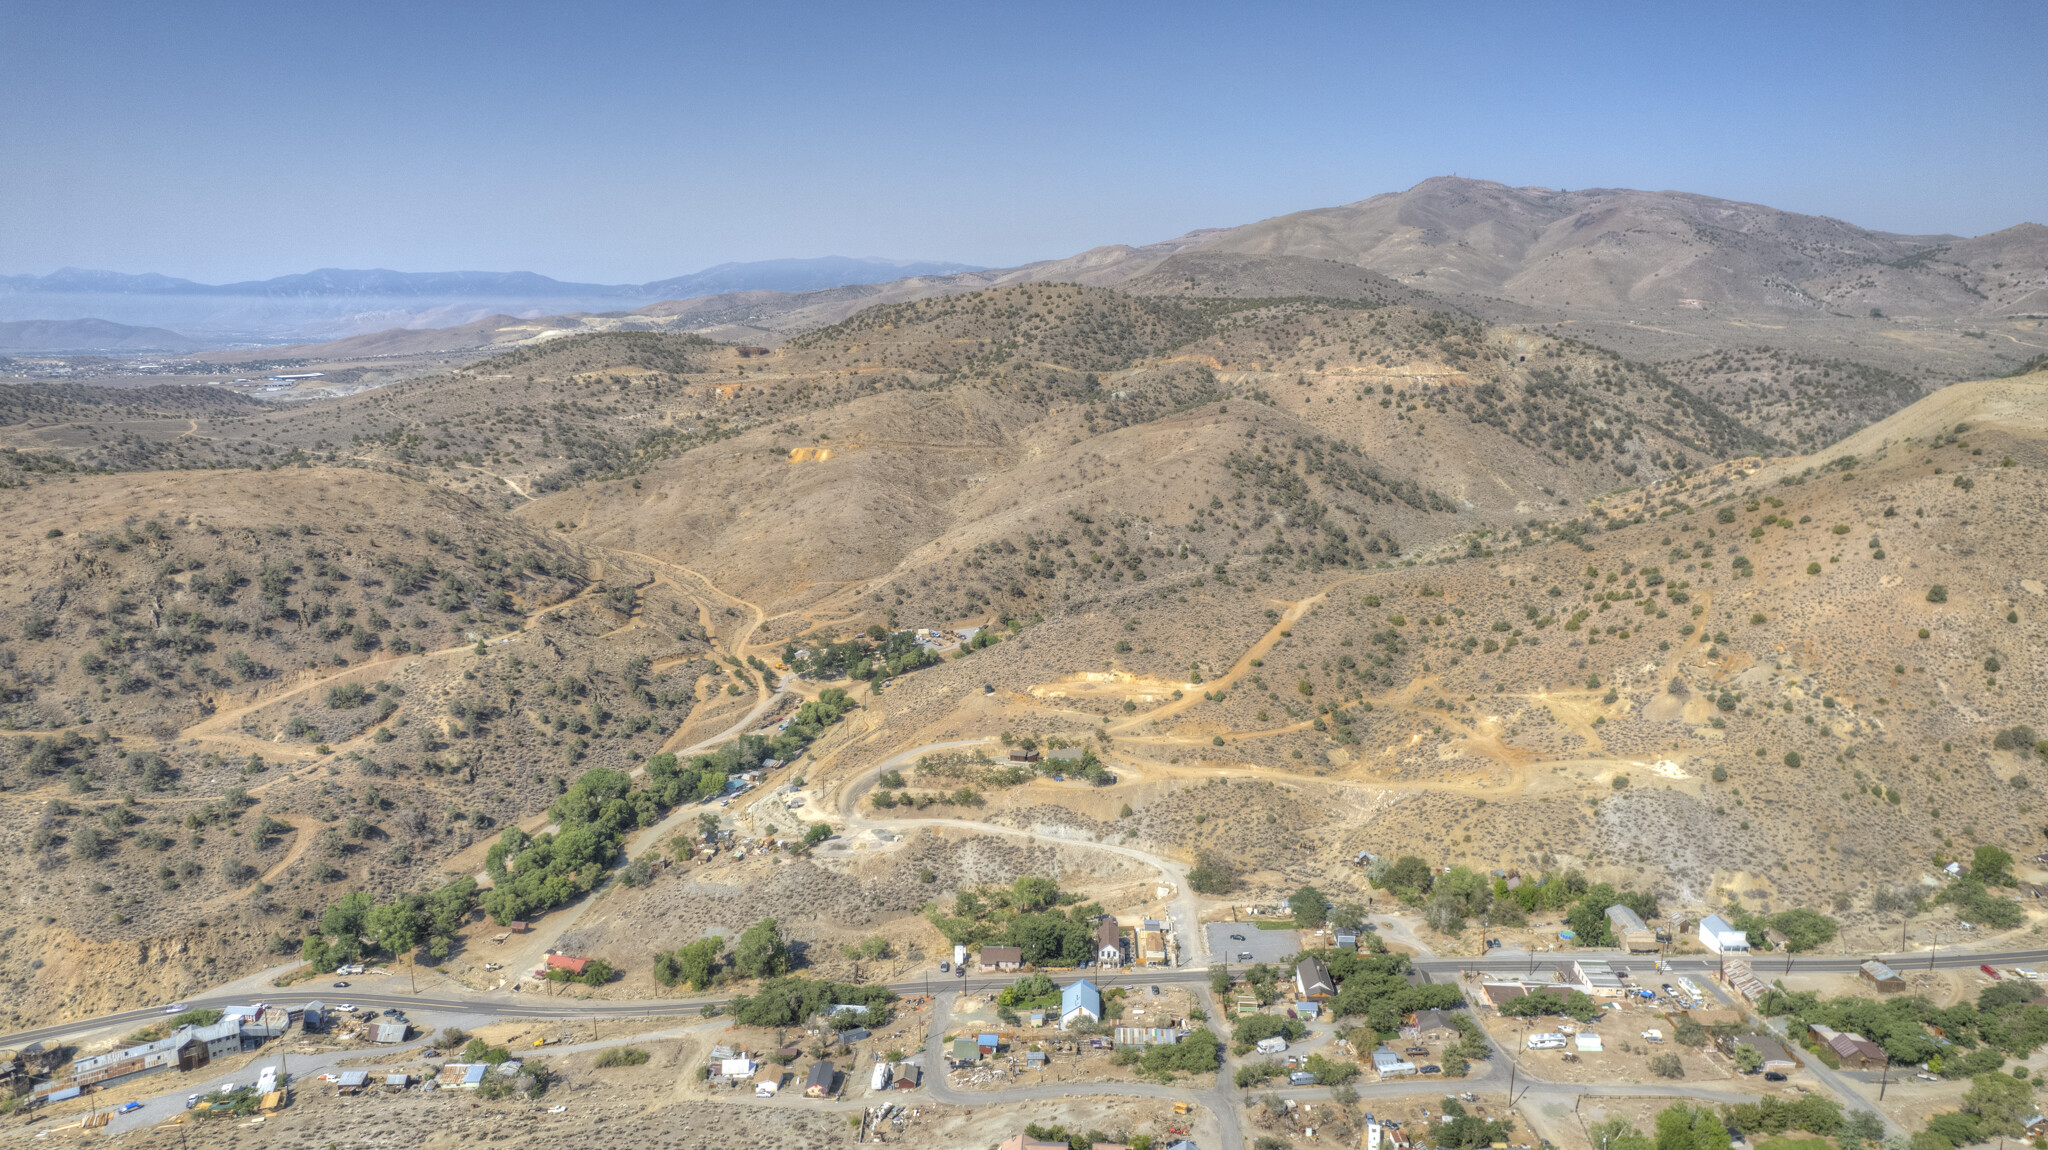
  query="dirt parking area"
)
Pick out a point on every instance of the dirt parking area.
point(1624, 1057)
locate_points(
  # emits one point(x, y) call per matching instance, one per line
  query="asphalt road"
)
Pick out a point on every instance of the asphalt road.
point(539, 1005)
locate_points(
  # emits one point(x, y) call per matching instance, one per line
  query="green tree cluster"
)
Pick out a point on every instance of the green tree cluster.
point(790, 1000)
point(1252, 1029)
point(1575, 1004)
point(1981, 1034)
point(1463, 1130)
point(695, 963)
point(357, 923)
point(1375, 987)
point(1198, 1052)
point(1803, 929)
point(1052, 927)
point(1772, 1115)
point(879, 654)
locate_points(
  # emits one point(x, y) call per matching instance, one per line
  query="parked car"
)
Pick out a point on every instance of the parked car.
point(945, 967)
point(1432, 1068)
point(1244, 956)
point(127, 1106)
point(340, 985)
point(345, 1007)
point(191, 1100)
point(1773, 1076)
point(2023, 972)
point(1986, 968)
point(1237, 938)
point(176, 1008)
point(1927, 1077)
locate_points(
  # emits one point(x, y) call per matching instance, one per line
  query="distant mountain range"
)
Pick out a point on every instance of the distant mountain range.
point(1656, 275)
point(87, 337)
point(335, 302)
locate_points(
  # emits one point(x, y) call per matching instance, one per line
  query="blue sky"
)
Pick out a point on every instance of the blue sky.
point(632, 141)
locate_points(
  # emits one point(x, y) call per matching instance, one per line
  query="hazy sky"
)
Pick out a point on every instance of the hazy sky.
point(635, 141)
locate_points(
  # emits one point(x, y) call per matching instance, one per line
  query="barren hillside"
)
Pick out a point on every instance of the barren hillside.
point(1311, 574)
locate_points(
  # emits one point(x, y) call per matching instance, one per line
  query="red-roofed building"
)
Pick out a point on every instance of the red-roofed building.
point(563, 962)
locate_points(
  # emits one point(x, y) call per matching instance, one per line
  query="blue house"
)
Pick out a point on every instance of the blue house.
point(1080, 999)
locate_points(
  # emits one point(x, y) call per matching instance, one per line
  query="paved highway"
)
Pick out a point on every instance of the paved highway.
point(1506, 964)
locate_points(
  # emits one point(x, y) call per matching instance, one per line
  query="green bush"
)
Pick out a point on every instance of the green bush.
point(343, 696)
point(622, 1056)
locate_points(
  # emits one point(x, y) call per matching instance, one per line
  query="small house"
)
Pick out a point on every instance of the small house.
point(1312, 981)
point(1499, 994)
point(1347, 940)
point(575, 966)
point(1430, 1026)
point(1080, 1001)
point(1882, 977)
point(820, 1081)
point(768, 1081)
point(1109, 942)
point(1855, 1051)
point(351, 1081)
point(1023, 756)
point(963, 1052)
point(400, 1080)
point(1002, 958)
point(907, 1076)
point(473, 1075)
point(386, 1033)
point(988, 1045)
point(1034, 1060)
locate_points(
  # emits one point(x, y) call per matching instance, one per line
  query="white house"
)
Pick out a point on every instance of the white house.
point(1080, 1000)
point(1716, 935)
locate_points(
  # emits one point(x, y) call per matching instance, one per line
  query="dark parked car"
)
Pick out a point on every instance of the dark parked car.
point(1432, 1068)
point(1773, 1076)
point(1237, 938)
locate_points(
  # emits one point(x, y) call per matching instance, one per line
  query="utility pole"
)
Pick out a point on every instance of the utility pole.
point(1885, 1081)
